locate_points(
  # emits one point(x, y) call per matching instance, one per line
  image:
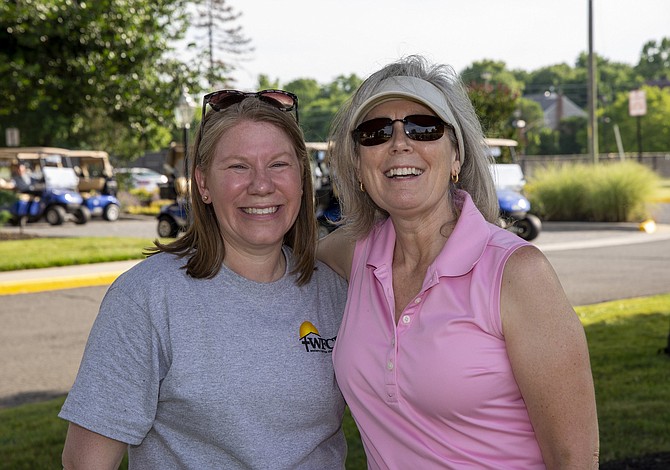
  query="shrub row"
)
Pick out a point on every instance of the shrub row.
point(613, 192)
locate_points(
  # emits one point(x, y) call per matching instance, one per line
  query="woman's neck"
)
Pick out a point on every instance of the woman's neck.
point(259, 267)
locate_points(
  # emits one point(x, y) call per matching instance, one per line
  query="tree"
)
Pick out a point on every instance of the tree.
point(217, 20)
point(491, 72)
point(559, 78)
point(91, 73)
point(654, 61)
point(655, 125)
point(613, 77)
point(495, 106)
point(320, 103)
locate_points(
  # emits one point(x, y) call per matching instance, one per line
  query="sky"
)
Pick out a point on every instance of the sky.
point(322, 39)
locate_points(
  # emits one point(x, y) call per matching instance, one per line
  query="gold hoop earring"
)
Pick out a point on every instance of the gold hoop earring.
point(361, 187)
point(454, 178)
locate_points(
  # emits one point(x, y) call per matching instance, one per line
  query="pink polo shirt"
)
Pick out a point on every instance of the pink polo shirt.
point(436, 390)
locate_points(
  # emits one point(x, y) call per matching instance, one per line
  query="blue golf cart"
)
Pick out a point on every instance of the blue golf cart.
point(52, 190)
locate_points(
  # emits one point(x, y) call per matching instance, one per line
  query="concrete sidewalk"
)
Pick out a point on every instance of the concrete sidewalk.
point(66, 277)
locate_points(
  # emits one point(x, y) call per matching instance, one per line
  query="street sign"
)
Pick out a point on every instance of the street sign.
point(12, 137)
point(637, 103)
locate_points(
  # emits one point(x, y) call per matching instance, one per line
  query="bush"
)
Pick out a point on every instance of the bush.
point(145, 197)
point(616, 192)
point(7, 198)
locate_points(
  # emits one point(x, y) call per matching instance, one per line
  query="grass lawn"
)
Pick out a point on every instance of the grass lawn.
point(631, 389)
point(47, 252)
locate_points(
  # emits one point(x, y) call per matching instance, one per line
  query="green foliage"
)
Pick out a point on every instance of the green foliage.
point(559, 77)
point(613, 77)
point(572, 135)
point(7, 198)
point(144, 196)
point(492, 72)
point(91, 74)
point(494, 105)
point(320, 103)
point(654, 126)
point(5, 216)
point(542, 141)
point(615, 192)
point(654, 61)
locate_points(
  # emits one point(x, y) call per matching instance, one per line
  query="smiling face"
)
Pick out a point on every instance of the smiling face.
point(254, 185)
point(408, 178)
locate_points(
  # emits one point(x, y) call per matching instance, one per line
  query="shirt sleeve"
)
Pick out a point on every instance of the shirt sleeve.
point(116, 390)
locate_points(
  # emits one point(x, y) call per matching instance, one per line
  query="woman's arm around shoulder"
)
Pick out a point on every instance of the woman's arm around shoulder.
point(547, 349)
point(337, 251)
point(86, 449)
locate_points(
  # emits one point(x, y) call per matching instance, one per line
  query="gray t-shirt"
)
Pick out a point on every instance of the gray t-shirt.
point(220, 373)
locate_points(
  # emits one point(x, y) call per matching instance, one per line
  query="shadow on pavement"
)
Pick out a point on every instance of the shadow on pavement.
point(28, 397)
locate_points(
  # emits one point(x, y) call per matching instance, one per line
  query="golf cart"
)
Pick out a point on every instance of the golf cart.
point(326, 204)
point(172, 217)
point(96, 185)
point(52, 193)
point(509, 181)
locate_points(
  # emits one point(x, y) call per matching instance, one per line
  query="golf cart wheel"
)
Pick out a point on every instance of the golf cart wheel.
point(82, 215)
point(55, 215)
point(167, 227)
point(111, 212)
point(529, 227)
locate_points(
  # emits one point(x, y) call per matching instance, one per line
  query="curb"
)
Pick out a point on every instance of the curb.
point(57, 283)
point(27, 281)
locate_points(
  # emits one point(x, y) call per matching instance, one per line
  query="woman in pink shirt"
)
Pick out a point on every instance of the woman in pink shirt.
point(458, 348)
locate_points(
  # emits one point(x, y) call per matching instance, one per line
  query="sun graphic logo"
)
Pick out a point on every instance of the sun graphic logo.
point(312, 340)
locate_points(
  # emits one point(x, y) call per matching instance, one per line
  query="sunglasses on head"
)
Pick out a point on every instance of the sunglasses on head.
point(419, 127)
point(222, 99)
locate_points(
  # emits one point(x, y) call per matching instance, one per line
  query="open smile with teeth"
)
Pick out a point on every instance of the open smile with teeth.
point(260, 210)
point(401, 172)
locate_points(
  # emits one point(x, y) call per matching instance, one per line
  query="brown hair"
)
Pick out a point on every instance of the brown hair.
point(202, 243)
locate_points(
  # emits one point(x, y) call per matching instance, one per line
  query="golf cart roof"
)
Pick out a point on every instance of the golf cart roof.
point(29, 153)
point(319, 146)
point(97, 154)
point(494, 142)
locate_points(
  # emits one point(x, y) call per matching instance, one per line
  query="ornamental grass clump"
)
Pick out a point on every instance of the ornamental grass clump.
point(612, 192)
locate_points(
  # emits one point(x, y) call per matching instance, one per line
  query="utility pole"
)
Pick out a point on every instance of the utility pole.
point(592, 130)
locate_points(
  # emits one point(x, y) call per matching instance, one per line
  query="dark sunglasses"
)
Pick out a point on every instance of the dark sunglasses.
point(420, 127)
point(222, 99)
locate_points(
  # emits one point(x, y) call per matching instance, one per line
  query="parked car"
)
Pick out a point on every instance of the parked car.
point(140, 178)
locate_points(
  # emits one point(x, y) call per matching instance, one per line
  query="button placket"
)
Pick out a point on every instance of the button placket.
point(409, 312)
point(391, 388)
